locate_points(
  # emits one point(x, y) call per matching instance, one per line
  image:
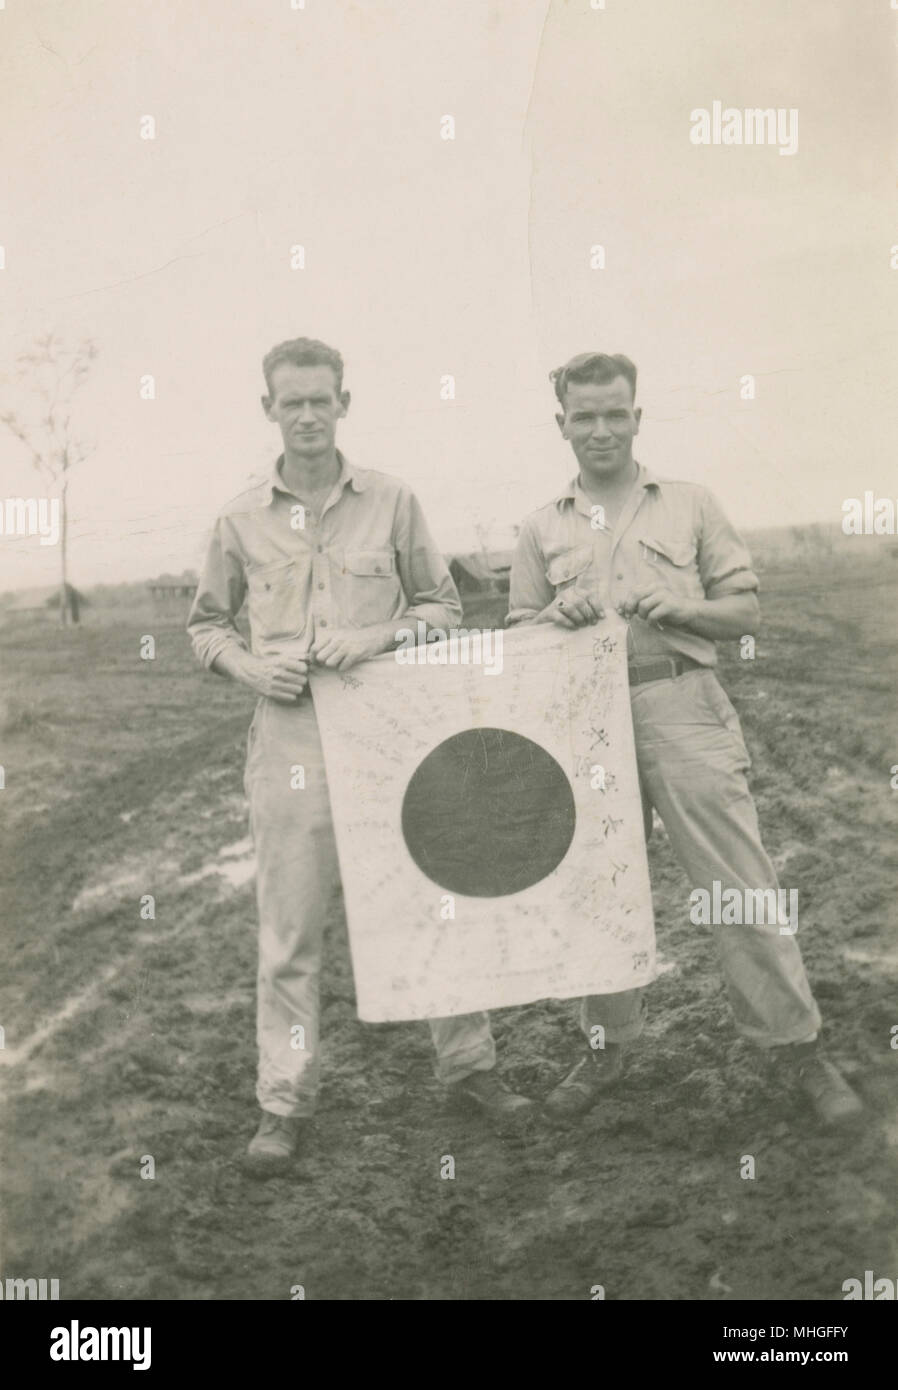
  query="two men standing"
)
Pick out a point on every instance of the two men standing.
point(333, 560)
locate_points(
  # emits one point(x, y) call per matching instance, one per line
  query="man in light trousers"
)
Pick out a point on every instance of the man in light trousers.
point(663, 554)
point(333, 562)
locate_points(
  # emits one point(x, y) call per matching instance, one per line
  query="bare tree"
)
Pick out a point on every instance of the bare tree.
point(51, 373)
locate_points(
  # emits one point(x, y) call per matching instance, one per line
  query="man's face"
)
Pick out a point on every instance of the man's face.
point(601, 423)
point(305, 404)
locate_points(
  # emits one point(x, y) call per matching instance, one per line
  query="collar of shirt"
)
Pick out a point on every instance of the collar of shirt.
point(574, 492)
point(347, 475)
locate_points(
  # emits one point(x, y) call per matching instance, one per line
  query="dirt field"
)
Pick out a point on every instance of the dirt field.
point(127, 1037)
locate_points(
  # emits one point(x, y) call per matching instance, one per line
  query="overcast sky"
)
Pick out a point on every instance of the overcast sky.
point(425, 256)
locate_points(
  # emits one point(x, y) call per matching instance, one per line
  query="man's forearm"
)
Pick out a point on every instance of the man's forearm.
point(340, 648)
point(235, 662)
point(735, 615)
point(386, 636)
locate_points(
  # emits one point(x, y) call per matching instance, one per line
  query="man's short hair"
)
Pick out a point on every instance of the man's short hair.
point(303, 352)
point(599, 367)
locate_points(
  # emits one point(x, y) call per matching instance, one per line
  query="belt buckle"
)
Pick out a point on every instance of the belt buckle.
point(668, 669)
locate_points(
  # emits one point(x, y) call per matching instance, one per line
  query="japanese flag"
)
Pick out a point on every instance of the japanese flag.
point(488, 821)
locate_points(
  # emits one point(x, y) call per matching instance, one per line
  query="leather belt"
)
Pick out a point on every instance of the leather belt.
point(660, 668)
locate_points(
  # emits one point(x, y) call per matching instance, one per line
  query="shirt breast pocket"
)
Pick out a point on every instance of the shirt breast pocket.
point(675, 561)
point(276, 599)
point(371, 587)
point(564, 570)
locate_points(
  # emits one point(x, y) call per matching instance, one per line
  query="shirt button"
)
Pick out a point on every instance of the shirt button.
point(377, 569)
point(319, 548)
point(320, 586)
point(322, 622)
point(620, 576)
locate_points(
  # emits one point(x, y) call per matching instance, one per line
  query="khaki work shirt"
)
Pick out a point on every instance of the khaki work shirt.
point(672, 532)
point(369, 559)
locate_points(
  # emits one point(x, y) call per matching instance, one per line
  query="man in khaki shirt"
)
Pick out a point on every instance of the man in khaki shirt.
point(332, 561)
point(664, 555)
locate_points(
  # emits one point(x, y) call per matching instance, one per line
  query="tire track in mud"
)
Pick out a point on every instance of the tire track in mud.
point(85, 849)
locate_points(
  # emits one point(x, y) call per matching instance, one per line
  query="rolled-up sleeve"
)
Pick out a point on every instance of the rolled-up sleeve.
point(530, 590)
point(219, 597)
point(429, 588)
point(723, 557)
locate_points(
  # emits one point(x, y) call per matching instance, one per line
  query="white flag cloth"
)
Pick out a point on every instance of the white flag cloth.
point(488, 822)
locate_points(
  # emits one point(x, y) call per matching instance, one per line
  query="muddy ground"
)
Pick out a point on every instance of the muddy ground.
point(127, 1038)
